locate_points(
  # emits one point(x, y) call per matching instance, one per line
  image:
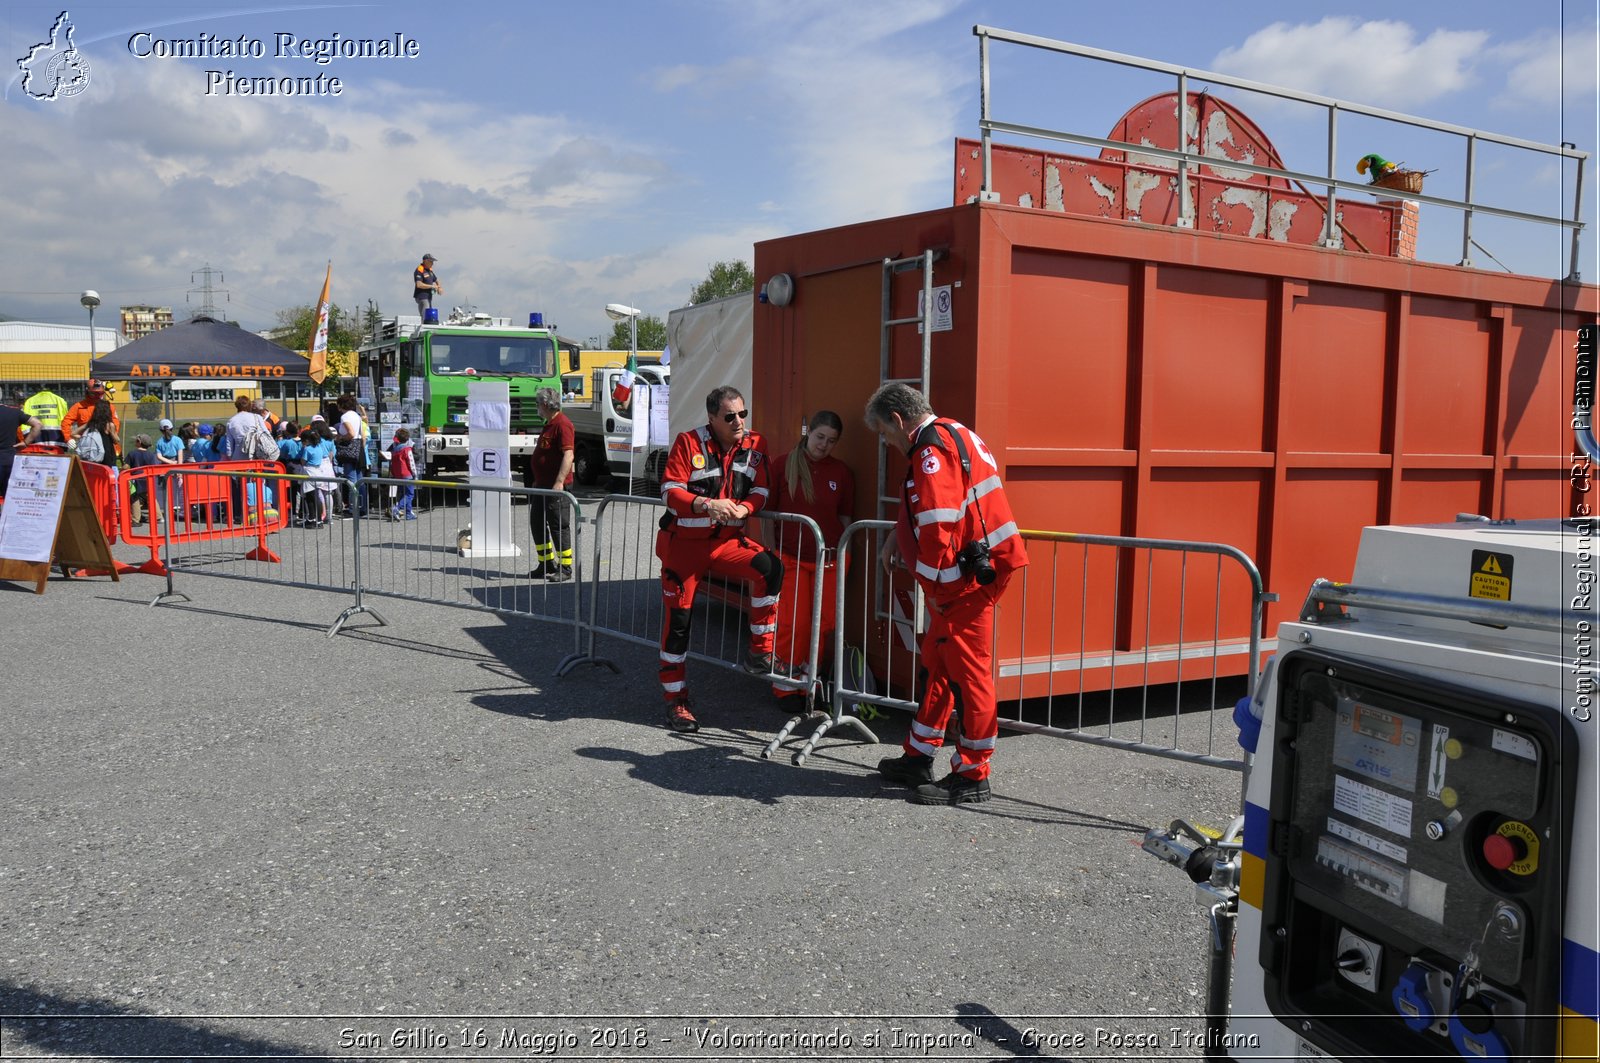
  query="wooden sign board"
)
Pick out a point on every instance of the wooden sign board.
point(48, 518)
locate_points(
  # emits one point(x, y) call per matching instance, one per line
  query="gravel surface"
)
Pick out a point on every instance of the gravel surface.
point(228, 835)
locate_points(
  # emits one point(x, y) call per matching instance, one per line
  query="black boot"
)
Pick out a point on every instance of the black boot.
point(953, 789)
point(910, 769)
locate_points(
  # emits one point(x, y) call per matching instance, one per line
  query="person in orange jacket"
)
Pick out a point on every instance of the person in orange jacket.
point(715, 478)
point(957, 535)
point(80, 412)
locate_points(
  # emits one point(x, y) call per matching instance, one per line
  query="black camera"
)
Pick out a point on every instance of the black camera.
point(974, 561)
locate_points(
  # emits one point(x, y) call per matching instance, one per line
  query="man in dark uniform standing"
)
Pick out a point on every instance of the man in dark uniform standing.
point(11, 420)
point(425, 285)
point(550, 467)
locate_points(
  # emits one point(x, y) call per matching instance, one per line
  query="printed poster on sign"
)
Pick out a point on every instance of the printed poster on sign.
point(643, 404)
point(32, 511)
point(660, 430)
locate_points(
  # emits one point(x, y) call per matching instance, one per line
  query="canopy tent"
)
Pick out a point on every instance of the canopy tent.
point(201, 349)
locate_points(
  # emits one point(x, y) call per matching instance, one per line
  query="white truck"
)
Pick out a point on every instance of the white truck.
point(604, 444)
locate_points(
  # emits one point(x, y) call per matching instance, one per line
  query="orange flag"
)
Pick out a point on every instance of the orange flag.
point(318, 354)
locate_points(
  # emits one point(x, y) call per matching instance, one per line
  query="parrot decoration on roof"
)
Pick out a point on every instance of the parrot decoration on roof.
point(1376, 166)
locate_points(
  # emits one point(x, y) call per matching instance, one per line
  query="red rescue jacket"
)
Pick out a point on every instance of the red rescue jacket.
point(941, 512)
point(697, 467)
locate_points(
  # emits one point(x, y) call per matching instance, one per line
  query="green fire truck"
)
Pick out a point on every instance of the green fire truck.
point(416, 374)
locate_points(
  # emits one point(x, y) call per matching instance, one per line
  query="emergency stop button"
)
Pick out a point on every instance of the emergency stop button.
point(1513, 847)
point(1501, 852)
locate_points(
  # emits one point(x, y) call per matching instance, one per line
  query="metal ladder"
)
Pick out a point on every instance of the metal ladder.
point(887, 324)
point(881, 606)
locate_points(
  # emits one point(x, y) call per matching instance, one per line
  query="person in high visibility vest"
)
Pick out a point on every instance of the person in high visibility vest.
point(50, 409)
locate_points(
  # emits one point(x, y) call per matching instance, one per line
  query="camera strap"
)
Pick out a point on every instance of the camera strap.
point(930, 436)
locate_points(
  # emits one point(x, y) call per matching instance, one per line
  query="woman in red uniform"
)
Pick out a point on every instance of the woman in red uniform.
point(813, 483)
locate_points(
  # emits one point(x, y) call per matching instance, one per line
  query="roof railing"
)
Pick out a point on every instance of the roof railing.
point(1184, 159)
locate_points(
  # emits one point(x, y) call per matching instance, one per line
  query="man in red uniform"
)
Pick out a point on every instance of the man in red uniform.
point(957, 534)
point(715, 479)
point(550, 467)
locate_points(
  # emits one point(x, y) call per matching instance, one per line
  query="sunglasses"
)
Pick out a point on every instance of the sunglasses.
point(735, 416)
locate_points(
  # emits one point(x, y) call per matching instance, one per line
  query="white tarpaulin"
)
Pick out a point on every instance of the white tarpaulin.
point(644, 401)
point(711, 346)
point(489, 463)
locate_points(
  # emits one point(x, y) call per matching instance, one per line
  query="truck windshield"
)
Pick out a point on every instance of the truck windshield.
point(492, 355)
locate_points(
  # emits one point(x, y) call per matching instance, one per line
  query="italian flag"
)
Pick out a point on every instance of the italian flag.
point(318, 354)
point(623, 391)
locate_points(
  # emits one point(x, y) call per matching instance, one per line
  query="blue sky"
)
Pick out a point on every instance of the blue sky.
point(560, 156)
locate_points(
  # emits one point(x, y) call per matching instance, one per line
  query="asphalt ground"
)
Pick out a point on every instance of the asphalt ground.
point(228, 835)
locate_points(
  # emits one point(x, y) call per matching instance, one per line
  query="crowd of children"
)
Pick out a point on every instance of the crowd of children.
point(303, 451)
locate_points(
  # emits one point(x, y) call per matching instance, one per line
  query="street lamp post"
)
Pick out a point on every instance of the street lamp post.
point(617, 312)
point(90, 299)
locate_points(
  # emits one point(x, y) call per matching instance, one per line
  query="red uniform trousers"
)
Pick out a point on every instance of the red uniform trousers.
point(958, 652)
point(684, 562)
point(794, 616)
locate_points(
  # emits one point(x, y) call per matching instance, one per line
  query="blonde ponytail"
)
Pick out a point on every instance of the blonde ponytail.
point(798, 473)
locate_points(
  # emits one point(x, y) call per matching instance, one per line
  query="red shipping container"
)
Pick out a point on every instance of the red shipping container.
point(1148, 380)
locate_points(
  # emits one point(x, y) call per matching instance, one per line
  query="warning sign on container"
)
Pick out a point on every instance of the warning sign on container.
point(1491, 576)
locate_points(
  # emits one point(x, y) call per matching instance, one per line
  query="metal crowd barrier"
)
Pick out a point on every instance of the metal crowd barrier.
point(1136, 631)
point(624, 592)
point(863, 604)
point(321, 539)
point(1112, 640)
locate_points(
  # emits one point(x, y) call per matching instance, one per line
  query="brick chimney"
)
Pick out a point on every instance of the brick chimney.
point(1403, 244)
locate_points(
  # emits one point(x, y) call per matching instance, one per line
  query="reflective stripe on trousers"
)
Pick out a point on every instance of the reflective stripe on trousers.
point(958, 652)
point(684, 562)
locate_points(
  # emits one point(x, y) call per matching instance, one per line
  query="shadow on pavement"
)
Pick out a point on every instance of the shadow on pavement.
point(702, 770)
point(61, 1026)
point(988, 1026)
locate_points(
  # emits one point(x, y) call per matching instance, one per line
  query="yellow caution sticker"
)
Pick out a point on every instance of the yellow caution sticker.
point(1529, 863)
point(1491, 576)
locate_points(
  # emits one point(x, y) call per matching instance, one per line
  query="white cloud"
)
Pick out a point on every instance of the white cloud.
point(1380, 62)
point(1549, 67)
point(705, 80)
point(133, 186)
point(864, 112)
